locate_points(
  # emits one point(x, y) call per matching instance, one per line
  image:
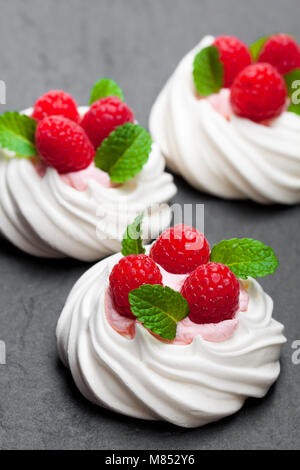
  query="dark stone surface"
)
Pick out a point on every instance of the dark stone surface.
point(69, 44)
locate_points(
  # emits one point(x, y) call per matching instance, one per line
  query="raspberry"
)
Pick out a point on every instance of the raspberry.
point(258, 93)
point(103, 117)
point(180, 249)
point(55, 103)
point(63, 144)
point(281, 51)
point(212, 292)
point(234, 55)
point(130, 273)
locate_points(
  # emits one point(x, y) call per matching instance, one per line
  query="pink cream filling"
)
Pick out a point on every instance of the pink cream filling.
point(186, 329)
point(78, 179)
point(221, 104)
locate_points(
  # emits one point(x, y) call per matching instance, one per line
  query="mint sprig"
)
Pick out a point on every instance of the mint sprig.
point(245, 257)
point(17, 133)
point(124, 152)
point(158, 308)
point(294, 108)
point(132, 243)
point(292, 80)
point(256, 47)
point(208, 71)
point(105, 87)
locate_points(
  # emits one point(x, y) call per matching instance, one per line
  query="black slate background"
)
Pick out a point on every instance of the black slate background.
point(69, 44)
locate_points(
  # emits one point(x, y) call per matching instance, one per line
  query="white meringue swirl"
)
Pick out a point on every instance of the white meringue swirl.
point(234, 158)
point(46, 217)
point(188, 385)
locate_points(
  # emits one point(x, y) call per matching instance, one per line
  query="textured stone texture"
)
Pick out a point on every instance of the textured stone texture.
point(69, 44)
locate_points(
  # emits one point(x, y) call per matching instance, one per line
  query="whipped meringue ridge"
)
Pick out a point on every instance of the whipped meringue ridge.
point(219, 152)
point(80, 214)
point(199, 378)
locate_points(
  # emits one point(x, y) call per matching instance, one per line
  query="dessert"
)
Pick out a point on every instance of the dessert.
point(73, 177)
point(187, 347)
point(228, 119)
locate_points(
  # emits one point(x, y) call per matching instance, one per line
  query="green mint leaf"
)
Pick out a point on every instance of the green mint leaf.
point(158, 308)
point(105, 87)
point(292, 80)
point(208, 71)
point(257, 46)
point(294, 108)
point(125, 151)
point(245, 257)
point(17, 133)
point(132, 243)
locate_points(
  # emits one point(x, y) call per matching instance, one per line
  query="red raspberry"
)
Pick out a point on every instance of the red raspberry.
point(104, 116)
point(55, 103)
point(234, 55)
point(63, 144)
point(258, 93)
point(212, 292)
point(282, 51)
point(180, 249)
point(130, 273)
